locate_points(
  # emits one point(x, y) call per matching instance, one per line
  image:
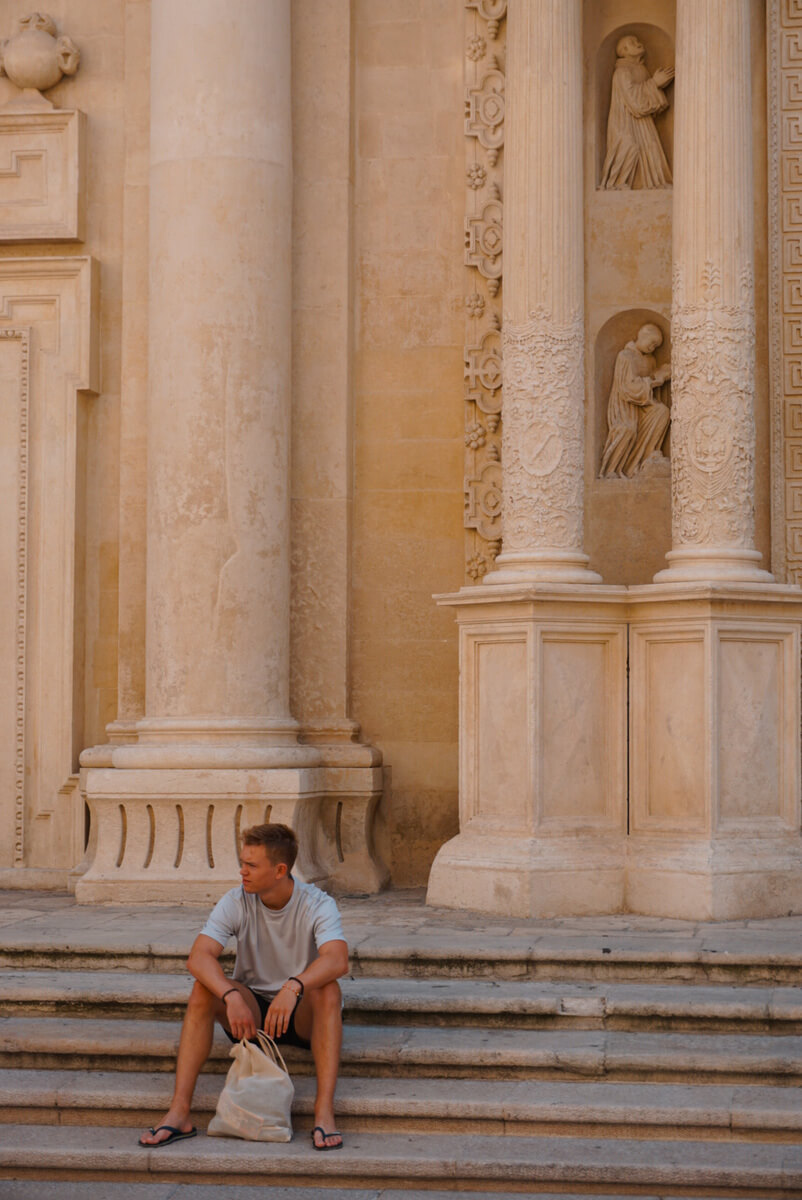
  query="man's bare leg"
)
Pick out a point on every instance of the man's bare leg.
point(193, 1050)
point(318, 1017)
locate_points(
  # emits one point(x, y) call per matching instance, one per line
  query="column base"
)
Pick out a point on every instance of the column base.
point(547, 566)
point(724, 880)
point(692, 564)
point(170, 834)
point(529, 876)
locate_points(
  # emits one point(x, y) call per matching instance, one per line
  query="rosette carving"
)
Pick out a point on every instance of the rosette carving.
point(713, 430)
point(543, 433)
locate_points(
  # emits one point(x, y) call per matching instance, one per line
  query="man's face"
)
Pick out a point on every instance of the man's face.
point(258, 873)
point(632, 47)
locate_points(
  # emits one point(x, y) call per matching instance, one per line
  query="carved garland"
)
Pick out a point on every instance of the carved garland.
point(22, 336)
point(785, 315)
point(485, 30)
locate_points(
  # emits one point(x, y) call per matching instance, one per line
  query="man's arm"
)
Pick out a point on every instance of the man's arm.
point(331, 963)
point(204, 964)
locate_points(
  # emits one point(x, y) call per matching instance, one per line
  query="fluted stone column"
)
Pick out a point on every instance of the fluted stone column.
point(714, 642)
point(713, 321)
point(217, 747)
point(542, 654)
point(543, 330)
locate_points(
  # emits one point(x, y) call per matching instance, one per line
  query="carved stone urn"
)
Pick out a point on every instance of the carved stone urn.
point(36, 58)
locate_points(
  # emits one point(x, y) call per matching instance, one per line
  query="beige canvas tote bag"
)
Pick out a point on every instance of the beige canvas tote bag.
point(257, 1098)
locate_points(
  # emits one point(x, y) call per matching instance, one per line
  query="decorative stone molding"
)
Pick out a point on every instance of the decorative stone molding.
point(485, 27)
point(785, 283)
point(14, 365)
point(543, 433)
point(42, 175)
point(48, 357)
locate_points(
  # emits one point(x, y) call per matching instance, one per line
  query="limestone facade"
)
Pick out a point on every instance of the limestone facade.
point(313, 310)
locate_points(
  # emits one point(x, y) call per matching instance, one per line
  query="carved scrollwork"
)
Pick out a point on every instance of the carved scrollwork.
point(484, 240)
point(483, 372)
point(493, 11)
point(713, 423)
point(543, 416)
point(484, 138)
point(483, 501)
point(484, 111)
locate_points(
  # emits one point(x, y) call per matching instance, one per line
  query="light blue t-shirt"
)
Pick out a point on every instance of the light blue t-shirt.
point(273, 944)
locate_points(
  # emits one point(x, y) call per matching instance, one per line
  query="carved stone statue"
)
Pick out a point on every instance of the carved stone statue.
point(36, 58)
point(634, 149)
point(636, 420)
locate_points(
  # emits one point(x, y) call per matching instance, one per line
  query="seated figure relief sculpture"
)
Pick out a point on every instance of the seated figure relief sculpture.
point(636, 419)
point(634, 150)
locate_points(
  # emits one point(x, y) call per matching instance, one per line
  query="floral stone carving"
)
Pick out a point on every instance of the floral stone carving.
point(713, 423)
point(484, 112)
point(484, 241)
point(483, 372)
point(35, 58)
point(543, 434)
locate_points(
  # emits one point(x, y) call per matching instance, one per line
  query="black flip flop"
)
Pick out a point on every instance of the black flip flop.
point(334, 1133)
point(176, 1135)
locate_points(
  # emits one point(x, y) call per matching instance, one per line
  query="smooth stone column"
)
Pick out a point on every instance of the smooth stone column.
point(217, 748)
point(543, 330)
point(713, 320)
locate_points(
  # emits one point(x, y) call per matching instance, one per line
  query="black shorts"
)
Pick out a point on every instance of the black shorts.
point(289, 1038)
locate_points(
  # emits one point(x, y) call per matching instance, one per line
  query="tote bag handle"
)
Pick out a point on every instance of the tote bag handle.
point(271, 1049)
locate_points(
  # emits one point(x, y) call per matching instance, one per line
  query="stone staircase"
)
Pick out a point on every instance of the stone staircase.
point(601, 1072)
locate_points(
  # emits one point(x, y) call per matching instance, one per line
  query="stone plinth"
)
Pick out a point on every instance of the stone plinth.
point(542, 753)
point(714, 751)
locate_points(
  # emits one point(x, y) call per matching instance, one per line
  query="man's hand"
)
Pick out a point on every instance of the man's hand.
point(662, 374)
point(663, 75)
point(239, 1016)
point(278, 1015)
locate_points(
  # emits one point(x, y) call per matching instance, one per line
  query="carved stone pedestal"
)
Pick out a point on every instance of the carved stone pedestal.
point(171, 833)
point(714, 751)
point(709, 716)
point(542, 752)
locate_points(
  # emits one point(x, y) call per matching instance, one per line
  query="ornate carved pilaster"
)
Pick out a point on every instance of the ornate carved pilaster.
point(542, 445)
point(713, 325)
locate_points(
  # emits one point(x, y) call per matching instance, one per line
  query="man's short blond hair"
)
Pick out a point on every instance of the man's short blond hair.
point(279, 841)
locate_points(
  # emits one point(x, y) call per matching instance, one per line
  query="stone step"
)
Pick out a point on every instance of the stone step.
point(622, 950)
point(524, 1108)
point(477, 1164)
point(429, 1052)
point(474, 1003)
point(24, 1189)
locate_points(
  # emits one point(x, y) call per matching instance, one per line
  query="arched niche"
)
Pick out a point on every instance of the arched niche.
point(614, 334)
point(659, 46)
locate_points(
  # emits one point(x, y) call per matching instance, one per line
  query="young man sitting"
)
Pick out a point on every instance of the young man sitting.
point(290, 954)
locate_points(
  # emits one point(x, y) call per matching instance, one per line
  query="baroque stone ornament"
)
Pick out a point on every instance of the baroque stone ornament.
point(35, 58)
point(492, 11)
point(485, 26)
point(483, 372)
point(713, 467)
point(484, 111)
point(483, 501)
point(484, 240)
point(543, 433)
point(784, 130)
